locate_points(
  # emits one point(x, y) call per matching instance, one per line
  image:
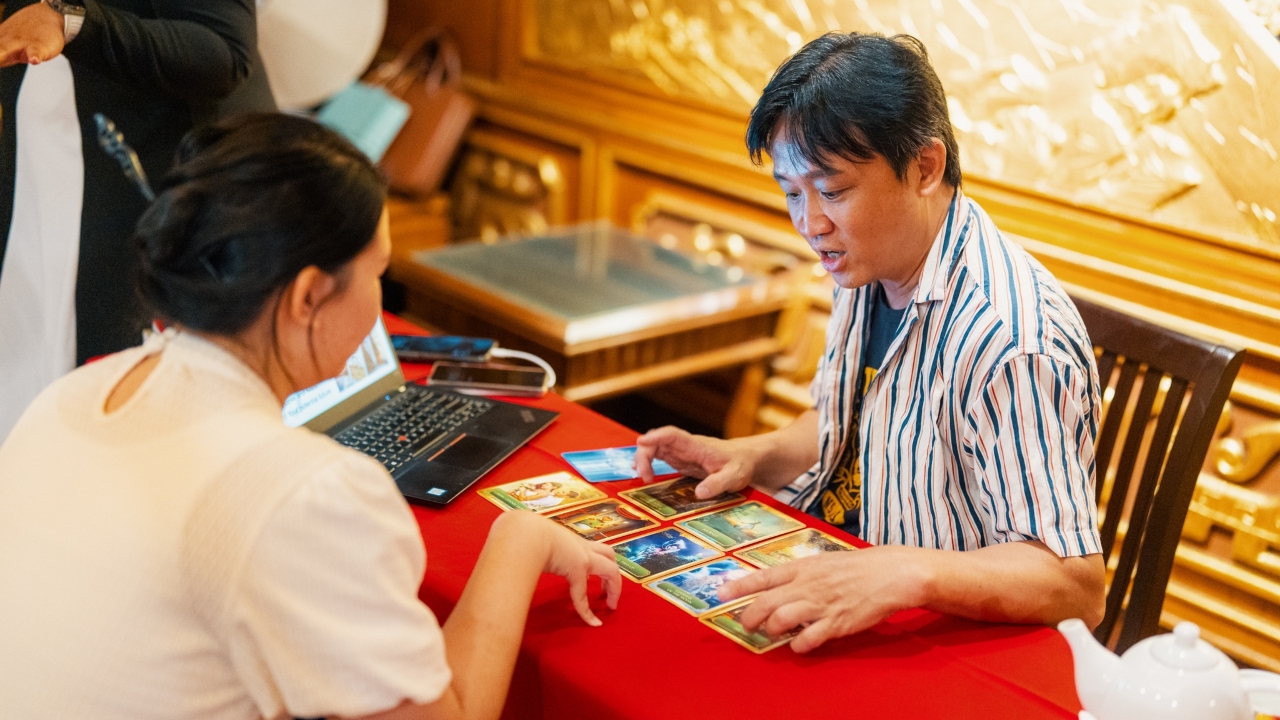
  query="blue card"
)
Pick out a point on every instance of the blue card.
point(611, 464)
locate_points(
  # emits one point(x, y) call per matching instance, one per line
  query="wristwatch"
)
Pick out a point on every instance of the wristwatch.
point(72, 17)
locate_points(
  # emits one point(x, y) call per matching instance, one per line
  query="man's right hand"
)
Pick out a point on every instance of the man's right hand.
point(724, 465)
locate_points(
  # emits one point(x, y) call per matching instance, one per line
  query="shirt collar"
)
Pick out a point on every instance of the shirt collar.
point(945, 252)
point(208, 357)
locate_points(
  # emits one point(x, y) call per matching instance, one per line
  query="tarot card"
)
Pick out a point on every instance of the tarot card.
point(611, 464)
point(649, 556)
point(728, 622)
point(675, 498)
point(694, 590)
point(604, 520)
point(801, 543)
point(542, 494)
point(740, 525)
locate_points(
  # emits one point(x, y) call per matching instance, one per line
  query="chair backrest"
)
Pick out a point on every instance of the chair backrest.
point(1185, 382)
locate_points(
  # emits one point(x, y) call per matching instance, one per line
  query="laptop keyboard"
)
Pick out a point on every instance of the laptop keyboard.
point(410, 423)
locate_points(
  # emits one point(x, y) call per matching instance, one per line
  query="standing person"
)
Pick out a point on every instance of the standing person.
point(156, 68)
point(169, 548)
point(957, 397)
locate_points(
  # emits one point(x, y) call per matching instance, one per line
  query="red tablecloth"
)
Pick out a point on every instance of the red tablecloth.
point(652, 660)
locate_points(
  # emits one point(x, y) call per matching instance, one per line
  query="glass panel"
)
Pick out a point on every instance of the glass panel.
point(582, 271)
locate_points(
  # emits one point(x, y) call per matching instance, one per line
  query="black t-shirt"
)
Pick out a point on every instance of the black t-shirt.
point(840, 502)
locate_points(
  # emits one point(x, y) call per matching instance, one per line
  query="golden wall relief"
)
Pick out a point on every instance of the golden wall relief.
point(1159, 111)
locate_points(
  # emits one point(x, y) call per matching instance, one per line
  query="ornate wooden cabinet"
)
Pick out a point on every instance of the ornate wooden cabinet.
point(1130, 146)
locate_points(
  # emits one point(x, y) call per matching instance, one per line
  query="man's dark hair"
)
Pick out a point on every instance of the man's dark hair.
point(856, 95)
point(250, 202)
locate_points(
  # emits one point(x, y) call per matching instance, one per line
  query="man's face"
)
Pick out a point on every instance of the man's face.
point(855, 215)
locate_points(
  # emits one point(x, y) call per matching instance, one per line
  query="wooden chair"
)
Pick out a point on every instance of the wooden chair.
point(1183, 382)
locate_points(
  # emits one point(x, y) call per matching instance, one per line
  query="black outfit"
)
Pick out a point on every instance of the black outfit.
point(840, 503)
point(157, 68)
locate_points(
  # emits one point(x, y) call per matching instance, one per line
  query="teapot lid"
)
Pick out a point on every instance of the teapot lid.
point(1184, 649)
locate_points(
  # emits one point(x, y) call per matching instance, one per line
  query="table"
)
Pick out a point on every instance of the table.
point(612, 312)
point(651, 660)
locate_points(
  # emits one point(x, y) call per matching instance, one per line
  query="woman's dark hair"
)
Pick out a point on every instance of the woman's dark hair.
point(856, 95)
point(250, 202)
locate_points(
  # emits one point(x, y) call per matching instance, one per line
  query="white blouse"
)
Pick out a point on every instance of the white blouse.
point(189, 556)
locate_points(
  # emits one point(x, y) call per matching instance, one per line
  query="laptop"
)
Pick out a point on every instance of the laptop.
point(436, 443)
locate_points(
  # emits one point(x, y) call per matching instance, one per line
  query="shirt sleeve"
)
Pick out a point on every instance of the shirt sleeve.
point(192, 50)
point(1030, 451)
point(327, 621)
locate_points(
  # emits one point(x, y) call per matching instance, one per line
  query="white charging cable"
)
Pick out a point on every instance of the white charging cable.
point(547, 383)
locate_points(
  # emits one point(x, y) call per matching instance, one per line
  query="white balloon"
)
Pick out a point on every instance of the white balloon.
point(314, 48)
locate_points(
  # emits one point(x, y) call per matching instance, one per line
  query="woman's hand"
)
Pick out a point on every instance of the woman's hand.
point(567, 555)
point(576, 559)
point(31, 35)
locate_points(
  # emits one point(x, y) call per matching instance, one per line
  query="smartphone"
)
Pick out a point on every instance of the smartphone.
point(428, 348)
point(489, 379)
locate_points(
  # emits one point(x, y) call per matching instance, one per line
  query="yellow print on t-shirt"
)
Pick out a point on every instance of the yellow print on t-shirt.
point(844, 492)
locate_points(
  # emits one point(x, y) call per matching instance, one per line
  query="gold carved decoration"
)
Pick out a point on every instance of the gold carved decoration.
point(1158, 111)
point(503, 188)
point(1241, 460)
point(1252, 517)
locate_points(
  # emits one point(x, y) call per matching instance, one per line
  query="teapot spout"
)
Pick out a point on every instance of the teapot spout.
point(1097, 669)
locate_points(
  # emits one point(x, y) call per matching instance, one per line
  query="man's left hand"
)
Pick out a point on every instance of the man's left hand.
point(834, 594)
point(31, 35)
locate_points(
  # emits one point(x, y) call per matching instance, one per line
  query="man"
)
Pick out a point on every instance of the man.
point(957, 399)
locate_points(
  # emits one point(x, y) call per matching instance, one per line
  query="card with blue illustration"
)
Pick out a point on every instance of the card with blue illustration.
point(694, 590)
point(611, 464)
point(650, 556)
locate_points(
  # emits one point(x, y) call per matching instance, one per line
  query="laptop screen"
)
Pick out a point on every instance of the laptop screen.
point(372, 361)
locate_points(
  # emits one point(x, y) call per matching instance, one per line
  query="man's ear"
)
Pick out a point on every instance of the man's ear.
point(303, 296)
point(932, 165)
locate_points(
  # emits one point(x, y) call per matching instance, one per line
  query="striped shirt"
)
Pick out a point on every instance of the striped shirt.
point(979, 428)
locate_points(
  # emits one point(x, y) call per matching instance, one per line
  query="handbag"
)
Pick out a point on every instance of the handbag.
point(425, 75)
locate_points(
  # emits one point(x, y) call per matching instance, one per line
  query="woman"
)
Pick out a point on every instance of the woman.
point(157, 68)
point(169, 548)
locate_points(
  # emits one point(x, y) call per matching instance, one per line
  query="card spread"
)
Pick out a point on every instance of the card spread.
point(799, 544)
point(728, 622)
point(694, 590)
point(604, 520)
point(611, 464)
point(740, 525)
point(661, 552)
point(542, 494)
point(675, 498)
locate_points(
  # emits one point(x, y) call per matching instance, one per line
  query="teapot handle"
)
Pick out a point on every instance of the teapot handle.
point(1259, 681)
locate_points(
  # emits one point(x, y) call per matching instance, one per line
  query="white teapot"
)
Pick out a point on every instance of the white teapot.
point(1176, 676)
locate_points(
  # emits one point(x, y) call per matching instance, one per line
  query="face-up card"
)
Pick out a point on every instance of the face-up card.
point(611, 464)
point(728, 622)
point(740, 525)
point(604, 520)
point(658, 553)
point(542, 494)
point(675, 498)
point(694, 590)
point(798, 544)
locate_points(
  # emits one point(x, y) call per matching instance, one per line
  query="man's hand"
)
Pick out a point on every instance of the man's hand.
point(837, 594)
point(31, 35)
point(725, 466)
point(834, 594)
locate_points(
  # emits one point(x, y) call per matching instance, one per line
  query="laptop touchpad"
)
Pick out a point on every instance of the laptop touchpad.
point(471, 452)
